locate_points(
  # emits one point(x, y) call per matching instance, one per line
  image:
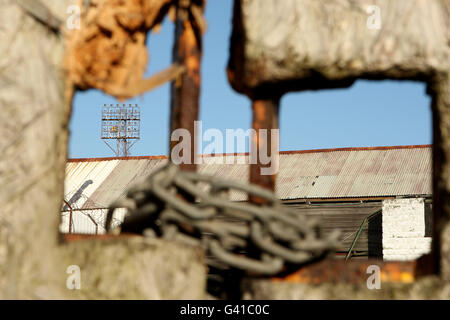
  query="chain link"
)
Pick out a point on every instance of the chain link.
point(260, 239)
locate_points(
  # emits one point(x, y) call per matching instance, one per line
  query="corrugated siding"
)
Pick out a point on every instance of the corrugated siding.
point(347, 218)
point(237, 171)
point(115, 185)
point(310, 175)
point(83, 178)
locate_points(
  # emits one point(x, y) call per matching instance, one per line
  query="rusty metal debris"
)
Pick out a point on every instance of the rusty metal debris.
point(259, 239)
point(340, 271)
point(108, 52)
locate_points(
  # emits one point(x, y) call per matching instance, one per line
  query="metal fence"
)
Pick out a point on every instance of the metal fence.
point(87, 221)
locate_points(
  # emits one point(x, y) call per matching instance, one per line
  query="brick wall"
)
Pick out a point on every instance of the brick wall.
point(404, 229)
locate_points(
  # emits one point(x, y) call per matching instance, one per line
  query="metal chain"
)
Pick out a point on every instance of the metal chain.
point(259, 239)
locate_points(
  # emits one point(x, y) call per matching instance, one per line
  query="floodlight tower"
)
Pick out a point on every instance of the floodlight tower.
point(121, 123)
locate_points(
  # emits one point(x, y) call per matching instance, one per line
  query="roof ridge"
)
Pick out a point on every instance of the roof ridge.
point(287, 152)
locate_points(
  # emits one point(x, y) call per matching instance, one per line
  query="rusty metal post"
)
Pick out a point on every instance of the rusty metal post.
point(93, 221)
point(70, 221)
point(185, 91)
point(265, 116)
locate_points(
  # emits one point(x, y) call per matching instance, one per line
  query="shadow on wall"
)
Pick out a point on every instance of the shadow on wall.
point(375, 236)
point(78, 194)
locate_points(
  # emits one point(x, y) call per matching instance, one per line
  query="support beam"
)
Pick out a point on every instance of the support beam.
point(185, 91)
point(440, 91)
point(265, 116)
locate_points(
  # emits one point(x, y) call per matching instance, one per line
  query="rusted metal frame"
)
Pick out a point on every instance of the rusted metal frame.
point(355, 272)
point(340, 271)
point(70, 215)
point(117, 158)
point(95, 223)
point(317, 201)
point(185, 90)
point(71, 218)
point(78, 237)
point(417, 146)
point(265, 116)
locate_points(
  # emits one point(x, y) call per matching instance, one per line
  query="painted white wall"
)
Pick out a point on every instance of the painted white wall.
point(404, 229)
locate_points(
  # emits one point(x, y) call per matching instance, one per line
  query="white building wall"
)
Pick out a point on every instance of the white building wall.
point(404, 229)
point(81, 224)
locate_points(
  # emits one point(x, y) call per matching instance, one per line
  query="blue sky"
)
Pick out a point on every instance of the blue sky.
point(370, 113)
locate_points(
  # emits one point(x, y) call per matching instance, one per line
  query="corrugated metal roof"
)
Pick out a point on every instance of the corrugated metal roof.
point(327, 173)
point(83, 178)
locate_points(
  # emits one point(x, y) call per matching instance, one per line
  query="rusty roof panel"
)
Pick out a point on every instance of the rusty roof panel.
point(333, 173)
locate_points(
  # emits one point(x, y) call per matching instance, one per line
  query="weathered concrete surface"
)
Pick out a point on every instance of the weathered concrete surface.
point(136, 268)
point(35, 102)
point(440, 91)
point(426, 288)
point(33, 144)
point(308, 44)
